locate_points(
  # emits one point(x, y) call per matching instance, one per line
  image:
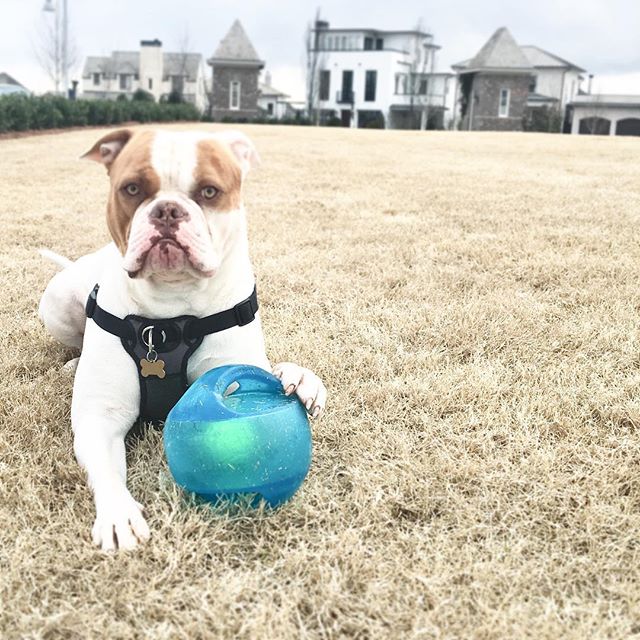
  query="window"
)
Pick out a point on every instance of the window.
point(368, 44)
point(401, 83)
point(150, 83)
point(503, 111)
point(325, 80)
point(532, 84)
point(125, 81)
point(234, 95)
point(379, 44)
point(329, 42)
point(370, 79)
point(343, 42)
point(423, 86)
point(96, 78)
point(270, 108)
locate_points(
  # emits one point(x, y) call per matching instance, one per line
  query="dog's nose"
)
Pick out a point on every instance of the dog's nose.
point(167, 212)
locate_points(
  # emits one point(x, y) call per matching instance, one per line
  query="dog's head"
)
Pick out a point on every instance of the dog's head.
point(175, 198)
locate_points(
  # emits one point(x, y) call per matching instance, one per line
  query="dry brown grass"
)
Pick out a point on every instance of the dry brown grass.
point(471, 302)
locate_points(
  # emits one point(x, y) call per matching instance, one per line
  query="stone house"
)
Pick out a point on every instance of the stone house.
point(504, 82)
point(236, 68)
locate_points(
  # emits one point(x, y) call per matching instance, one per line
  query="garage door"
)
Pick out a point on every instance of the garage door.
point(628, 127)
point(595, 126)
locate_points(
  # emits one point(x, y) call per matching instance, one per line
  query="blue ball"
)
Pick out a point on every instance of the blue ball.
point(255, 441)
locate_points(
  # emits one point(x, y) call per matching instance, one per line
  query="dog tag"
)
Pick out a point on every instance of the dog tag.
point(152, 368)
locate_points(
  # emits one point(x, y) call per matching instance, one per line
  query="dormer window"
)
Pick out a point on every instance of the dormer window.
point(368, 43)
point(379, 44)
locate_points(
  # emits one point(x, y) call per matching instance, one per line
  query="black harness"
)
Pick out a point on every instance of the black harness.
point(161, 348)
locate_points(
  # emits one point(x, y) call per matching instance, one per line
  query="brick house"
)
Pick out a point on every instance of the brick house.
point(505, 82)
point(493, 87)
point(236, 67)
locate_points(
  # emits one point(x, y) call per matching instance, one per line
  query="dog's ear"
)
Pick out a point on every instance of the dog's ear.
point(106, 150)
point(242, 148)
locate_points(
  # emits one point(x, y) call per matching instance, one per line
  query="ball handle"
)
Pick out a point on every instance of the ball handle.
point(249, 378)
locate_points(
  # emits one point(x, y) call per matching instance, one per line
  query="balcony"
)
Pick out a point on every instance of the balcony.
point(346, 97)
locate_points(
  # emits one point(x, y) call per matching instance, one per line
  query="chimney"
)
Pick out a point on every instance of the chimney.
point(590, 82)
point(151, 68)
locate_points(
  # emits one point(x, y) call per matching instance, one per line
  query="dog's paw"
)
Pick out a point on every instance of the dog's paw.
point(119, 523)
point(305, 384)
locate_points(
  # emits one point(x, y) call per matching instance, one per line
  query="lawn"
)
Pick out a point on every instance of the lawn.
point(472, 303)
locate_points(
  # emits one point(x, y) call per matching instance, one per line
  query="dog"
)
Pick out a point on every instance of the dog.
point(179, 250)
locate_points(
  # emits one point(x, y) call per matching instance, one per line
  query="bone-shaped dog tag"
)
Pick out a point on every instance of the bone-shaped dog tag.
point(149, 368)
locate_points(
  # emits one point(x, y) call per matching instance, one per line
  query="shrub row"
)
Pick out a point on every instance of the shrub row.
point(22, 113)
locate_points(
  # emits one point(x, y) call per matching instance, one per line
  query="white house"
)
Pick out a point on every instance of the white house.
point(606, 115)
point(554, 82)
point(151, 69)
point(272, 102)
point(369, 77)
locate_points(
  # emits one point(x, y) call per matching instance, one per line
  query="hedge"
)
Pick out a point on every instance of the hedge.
point(22, 113)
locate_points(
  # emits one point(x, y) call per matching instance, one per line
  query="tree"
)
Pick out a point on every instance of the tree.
point(48, 50)
point(313, 67)
point(419, 81)
point(178, 79)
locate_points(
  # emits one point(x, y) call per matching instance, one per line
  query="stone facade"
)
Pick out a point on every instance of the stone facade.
point(486, 105)
point(223, 76)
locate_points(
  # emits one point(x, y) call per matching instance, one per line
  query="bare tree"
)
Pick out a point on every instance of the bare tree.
point(313, 66)
point(178, 80)
point(419, 81)
point(49, 54)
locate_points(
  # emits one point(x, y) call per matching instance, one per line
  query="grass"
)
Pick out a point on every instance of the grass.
point(471, 301)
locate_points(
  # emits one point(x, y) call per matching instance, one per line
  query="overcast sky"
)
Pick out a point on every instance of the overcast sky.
point(602, 36)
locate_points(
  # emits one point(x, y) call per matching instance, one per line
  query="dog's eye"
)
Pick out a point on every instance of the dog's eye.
point(209, 193)
point(132, 189)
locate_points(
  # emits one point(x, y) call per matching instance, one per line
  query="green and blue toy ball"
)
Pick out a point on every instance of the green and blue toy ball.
point(254, 441)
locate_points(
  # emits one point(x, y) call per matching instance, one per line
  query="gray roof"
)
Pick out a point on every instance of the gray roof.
point(5, 78)
point(268, 90)
point(236, 47)
point(607, 100)
point(174, 64)
point(500, 52)
point(540, 58)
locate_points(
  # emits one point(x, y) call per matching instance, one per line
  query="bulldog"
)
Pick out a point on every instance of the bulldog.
point(179, 251)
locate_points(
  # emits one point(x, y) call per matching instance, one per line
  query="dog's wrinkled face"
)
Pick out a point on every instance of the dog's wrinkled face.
point(173, 198)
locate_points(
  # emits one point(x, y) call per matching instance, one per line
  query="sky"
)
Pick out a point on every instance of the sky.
point(601, 36)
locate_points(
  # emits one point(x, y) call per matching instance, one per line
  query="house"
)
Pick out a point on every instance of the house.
point(236, 68)
point(369, 77)
point(9, 85)
point(505, 82)
point(157, 72)
point(605, 115)
point(271, 102)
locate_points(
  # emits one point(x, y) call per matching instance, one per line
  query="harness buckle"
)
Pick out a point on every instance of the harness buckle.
point(92, 302)
point(244, 313)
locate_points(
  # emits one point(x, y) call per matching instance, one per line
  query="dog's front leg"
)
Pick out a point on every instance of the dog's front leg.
point(100, 450)
point(105, 403)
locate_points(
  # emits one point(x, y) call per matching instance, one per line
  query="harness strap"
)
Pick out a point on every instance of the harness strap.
point(241, 314)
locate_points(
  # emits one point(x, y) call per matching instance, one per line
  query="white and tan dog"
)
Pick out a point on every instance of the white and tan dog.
point(179, 247)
